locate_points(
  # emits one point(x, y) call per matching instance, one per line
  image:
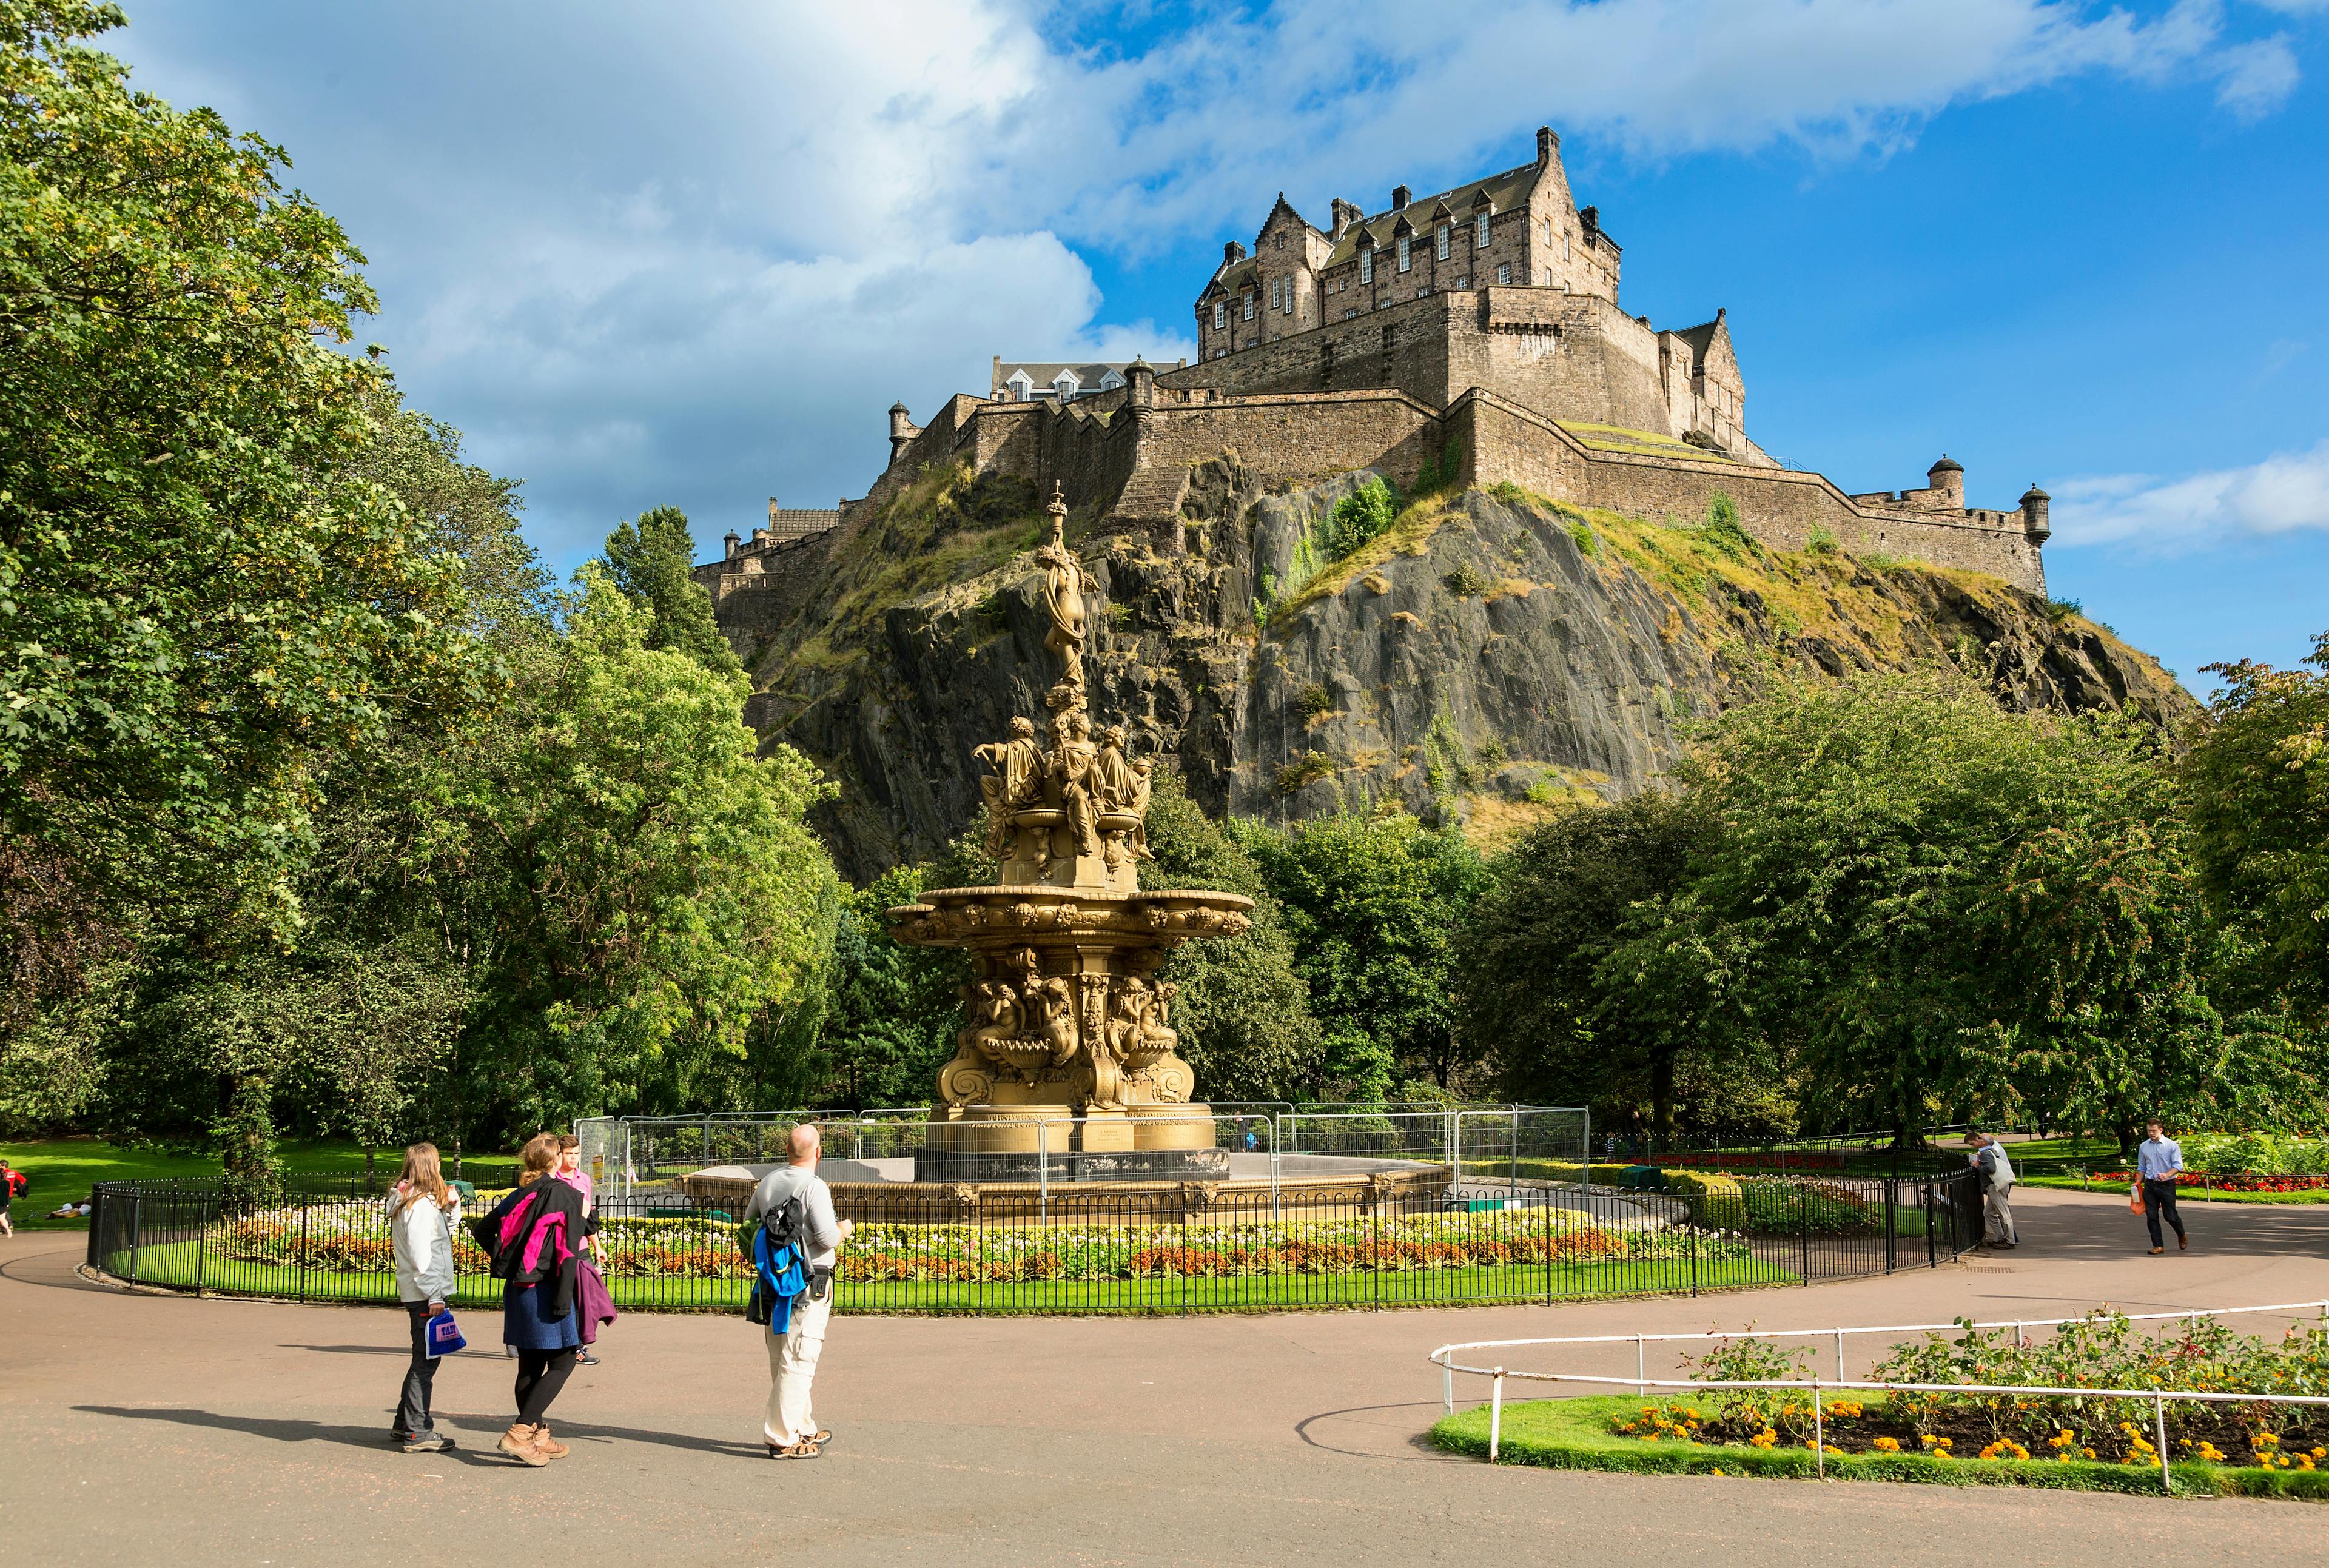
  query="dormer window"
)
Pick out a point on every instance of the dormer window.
point(1406, 260)
point(1065, 385)
point(1480, 230)
point(1439, 242)
point(1110, 381)
point(1366, 264)
point(1221, 314)
point(1022, 385)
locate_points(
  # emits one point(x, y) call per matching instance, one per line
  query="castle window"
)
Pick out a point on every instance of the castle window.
point(1440, 243)
point(1110, 381)
point(1249, 304)
point(1273, 292)
point(1220, 313)
point(1564, 245)
point(1065, 385)
point(1366, 264)
point(1504, 272)
point(1480, 231)
point(1021, 386)
point(1406, 259)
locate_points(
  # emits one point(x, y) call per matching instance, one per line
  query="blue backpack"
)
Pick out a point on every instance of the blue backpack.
point(780, 1272)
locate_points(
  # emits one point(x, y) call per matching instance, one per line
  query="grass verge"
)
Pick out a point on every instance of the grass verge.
point(62, 1169)
point(1574, 1434)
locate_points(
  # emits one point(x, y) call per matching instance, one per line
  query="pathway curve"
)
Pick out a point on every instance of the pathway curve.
point(160, 1430)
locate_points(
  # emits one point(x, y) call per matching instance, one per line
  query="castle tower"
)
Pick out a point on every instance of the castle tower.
point(731, 541)
point(903, 429)
point(2033, 514)
point(1948, 476)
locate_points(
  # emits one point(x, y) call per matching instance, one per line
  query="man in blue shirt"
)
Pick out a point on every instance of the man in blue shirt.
point(2158, 1159)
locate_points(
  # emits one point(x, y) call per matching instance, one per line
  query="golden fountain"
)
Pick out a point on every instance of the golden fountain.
point(1068, 1049)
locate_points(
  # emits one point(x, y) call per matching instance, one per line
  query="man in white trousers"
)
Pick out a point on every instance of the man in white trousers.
point(792, 1432)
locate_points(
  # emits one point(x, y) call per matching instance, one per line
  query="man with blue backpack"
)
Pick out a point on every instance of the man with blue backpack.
point(792, 1249)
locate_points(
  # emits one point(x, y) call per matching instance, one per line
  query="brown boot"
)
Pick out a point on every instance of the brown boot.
point(548, 1444)
point(518, 1444)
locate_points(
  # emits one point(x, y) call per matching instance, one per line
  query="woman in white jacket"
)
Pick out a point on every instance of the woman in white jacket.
point(422, 1211)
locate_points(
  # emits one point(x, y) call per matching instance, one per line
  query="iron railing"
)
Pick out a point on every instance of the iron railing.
point(1186, 1246)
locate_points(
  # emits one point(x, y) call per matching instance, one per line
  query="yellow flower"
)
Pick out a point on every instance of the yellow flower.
point(1888, 1444)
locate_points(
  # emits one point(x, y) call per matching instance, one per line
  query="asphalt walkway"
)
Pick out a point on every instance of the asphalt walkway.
point(161, 1429)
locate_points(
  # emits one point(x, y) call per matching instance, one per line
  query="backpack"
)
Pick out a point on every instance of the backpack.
point(780, 1271)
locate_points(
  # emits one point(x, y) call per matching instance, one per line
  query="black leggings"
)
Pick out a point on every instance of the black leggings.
point(540, 1373)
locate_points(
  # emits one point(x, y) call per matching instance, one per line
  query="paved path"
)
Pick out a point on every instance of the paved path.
point(147, 1430)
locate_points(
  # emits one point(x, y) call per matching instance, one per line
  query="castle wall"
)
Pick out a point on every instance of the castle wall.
point(1781, 507)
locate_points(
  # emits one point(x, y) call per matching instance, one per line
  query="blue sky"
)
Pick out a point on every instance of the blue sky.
point(689, 255)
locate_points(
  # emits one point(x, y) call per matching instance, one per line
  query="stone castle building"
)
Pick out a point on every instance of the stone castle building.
point(1479, 325)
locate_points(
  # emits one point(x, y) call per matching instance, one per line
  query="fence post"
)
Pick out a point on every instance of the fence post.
point(136, 1230)
point(1641, 1367)
point(1892, 1222)
point(1447, 1383)
point(1515, 1183)
point(1692, 1230)
point(1495, 1416)
point(202, 1238)
point(303, 1247)
point(1043, 1170)
point(2159, 1416)
point(1819, 1430)
point(1932, 1255)
point(1804, 1220)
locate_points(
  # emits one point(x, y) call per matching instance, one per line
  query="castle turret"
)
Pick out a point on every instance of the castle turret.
point(1948, 476)
point(731, 541)
point(1140, 383)
point(903, 429)
point(2033, 514)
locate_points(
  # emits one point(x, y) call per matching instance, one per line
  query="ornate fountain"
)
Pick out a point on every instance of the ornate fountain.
point(1070, 1048)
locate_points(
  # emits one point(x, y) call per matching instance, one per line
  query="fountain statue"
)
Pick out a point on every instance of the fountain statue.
point(1068, 1022)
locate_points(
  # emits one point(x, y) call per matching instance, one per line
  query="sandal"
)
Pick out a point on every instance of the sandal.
point(803, 1450)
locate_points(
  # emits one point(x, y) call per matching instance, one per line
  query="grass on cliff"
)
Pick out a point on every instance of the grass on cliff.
point(947, 528)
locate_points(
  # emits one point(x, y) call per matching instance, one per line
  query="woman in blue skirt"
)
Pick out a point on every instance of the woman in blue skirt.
point(537, 1232)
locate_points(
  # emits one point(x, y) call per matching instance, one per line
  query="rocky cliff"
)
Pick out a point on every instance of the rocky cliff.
point(1490, 655)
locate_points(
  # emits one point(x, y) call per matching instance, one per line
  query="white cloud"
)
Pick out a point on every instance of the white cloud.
point(645, 255)
point(2282, 494)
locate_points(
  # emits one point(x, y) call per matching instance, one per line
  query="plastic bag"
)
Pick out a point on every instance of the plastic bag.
point(443, 1336)
point(2135, 1199)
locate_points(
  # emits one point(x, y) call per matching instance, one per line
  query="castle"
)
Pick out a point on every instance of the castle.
point(1478, 327)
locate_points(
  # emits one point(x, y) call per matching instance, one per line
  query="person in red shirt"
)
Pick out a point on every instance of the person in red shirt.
point(12, 1188)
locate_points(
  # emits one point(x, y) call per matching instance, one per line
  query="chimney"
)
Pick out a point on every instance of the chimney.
point(731, 541)
point(1232, 253)
point(1345, 214)
point(2033, 514)
point(1948, 476)
point(1399, 197)
point(994, 381)
point(1547, 143)
point(1591, 218)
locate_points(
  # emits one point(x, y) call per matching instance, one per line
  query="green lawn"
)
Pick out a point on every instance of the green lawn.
point(1574, 1434)
point(2187, 1192)
point(62, 1169)
point(175, 1263)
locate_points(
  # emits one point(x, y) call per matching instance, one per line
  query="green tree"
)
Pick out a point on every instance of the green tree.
point(2257, 783)
point(1372, 905)
point(1577, 984)
point(200, 592)
point(1242, 1011)
point(895, 1008)
point(1932, 906)
point(649, 559)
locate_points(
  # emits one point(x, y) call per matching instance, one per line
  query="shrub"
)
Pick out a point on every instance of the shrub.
point(1306, 769)
point(1581, 531)
point(1723, 529)
point(2061, 610)
point(1820, 541)
point(1467, 581)
point(1360, 517)
point(1313, 700)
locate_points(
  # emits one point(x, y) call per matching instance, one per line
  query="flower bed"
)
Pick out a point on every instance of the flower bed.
point(352, 1237)
point(2082, 1439)
point(2235, 1182)
point(2100, 1351)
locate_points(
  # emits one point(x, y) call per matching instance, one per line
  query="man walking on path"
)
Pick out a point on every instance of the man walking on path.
point(792, 1432)
point(1997, 1190)
point(2158, 1159)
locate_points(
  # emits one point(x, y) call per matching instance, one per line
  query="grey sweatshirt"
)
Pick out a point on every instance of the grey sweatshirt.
point(777, 1189)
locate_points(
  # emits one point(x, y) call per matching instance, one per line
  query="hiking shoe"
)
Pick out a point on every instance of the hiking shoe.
point(427, 1443)
point(549, 1444)
point(518, 1444)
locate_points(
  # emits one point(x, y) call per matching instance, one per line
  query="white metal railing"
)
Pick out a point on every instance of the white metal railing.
point(1642, 1383)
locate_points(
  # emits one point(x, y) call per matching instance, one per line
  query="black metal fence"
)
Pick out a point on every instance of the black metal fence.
point(1168, 1247)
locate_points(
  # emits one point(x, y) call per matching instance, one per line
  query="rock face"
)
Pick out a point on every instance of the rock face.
point(1491, 656)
